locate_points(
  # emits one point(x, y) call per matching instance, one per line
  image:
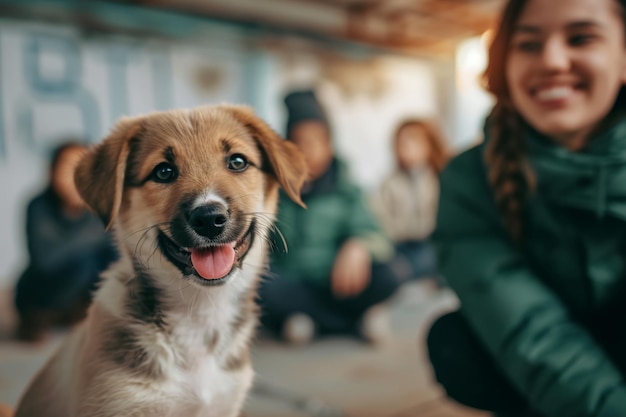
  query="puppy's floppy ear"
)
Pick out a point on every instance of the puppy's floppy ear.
point(287, 162)
point(100, 174)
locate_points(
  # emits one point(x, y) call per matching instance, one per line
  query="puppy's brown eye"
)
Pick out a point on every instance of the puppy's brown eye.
point(237, 162)
point(164, 173)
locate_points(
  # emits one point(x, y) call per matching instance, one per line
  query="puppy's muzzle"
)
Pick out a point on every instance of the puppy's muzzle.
point(209, 220)
point(207, 242)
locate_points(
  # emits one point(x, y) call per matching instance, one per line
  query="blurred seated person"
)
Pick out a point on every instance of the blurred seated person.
point(68, 248)
point(406, 202)
point(330, 279)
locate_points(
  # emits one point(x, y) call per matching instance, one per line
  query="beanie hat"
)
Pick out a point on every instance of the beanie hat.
point(302, 106)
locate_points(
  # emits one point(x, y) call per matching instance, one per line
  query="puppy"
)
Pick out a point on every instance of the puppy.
point(192, 196)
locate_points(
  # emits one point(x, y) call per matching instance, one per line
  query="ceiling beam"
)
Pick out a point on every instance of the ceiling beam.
point(393, 24)
point(300, 15)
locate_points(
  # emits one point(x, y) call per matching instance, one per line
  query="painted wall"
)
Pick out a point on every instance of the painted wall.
point(55, 84)
point(364, 124)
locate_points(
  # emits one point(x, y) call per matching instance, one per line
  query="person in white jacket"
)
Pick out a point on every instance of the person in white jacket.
point(406, 202)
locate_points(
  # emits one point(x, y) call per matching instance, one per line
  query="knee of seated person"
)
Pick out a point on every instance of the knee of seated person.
point(443, 335)
point(383, 282)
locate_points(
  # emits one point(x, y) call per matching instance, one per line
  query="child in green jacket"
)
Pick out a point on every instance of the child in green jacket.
point(331, 278)
point(531, 230)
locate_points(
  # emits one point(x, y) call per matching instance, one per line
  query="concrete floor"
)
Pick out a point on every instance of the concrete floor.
point(331, 377)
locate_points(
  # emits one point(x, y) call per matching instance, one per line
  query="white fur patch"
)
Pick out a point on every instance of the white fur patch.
point(209, 197)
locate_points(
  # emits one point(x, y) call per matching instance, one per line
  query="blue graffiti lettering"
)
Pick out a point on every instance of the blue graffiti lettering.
point(162, 76)
point(62, 88)
point(118, 81)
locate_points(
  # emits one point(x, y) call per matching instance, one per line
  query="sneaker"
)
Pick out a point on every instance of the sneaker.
point(374, 326)
point(298, 329)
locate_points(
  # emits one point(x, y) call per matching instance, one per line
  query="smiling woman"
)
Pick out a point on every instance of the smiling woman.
point(531, 227)
point(566, 66)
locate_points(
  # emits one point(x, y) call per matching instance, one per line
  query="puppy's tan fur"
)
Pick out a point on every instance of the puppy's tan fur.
point(158, 342)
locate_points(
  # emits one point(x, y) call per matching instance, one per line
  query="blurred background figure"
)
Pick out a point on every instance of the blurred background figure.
point(406, 202)
point(331, 279)
point(67, 248)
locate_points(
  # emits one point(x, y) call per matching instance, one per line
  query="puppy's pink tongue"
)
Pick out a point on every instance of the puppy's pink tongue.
point(213, 263)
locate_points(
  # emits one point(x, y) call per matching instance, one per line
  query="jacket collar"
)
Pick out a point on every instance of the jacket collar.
point(592, 179)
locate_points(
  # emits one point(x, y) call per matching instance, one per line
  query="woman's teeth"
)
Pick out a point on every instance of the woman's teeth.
point(554, 93)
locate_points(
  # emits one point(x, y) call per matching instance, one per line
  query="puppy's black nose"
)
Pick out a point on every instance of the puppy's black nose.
point(209, 220)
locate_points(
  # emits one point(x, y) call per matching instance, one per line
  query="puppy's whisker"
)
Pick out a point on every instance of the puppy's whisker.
point(130, 234)
point(180, 290)
point(255, 265)
point(208, 298)
point(267, 217)
point(259, 217)
point(154, 251)
point(191, 305)
point(139, 244)
point(272, 242)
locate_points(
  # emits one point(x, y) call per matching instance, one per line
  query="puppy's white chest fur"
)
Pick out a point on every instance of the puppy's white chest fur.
point(198, 358)
point(195, 366)
point(205, 390)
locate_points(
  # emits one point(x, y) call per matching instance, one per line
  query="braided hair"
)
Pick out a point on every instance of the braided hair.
point(510, 175)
